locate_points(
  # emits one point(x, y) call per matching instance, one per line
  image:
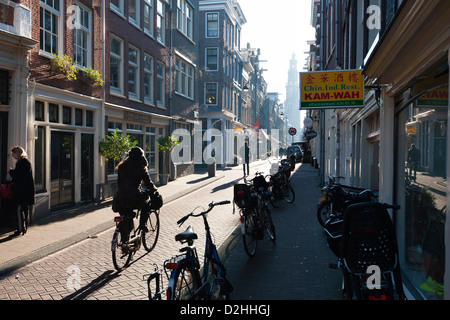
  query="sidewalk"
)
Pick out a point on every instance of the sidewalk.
point(66, 228)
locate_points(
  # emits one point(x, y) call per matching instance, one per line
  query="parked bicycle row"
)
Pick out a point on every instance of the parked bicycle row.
point(182, 277)
point(361, 235)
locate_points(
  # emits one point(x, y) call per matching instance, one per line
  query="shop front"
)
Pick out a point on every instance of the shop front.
point(410, 68)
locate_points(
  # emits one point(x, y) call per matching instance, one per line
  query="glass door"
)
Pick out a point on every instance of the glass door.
point(61, 167)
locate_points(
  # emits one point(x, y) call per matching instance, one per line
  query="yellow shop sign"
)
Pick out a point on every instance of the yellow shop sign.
point(331, 89)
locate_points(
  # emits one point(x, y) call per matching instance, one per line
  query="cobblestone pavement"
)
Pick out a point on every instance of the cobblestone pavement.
point(295, 267)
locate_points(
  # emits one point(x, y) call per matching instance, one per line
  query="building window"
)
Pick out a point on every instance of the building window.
point(133, 12)
point(148, 79)
point(212, 25)
point(184, 18)
point(211, 93)
point(89, 118)
point(116, 65)
point(133, 73)
point(160, 22)
point(82, 47)
point(117, 6)
point(39, 111)
point(53, 112)
point(148, 17)
point(212, 59)
point(67, 115)
point(49, 26)
point(78, 117)
point(160, 87)
point(4, 87)
point(184, 78)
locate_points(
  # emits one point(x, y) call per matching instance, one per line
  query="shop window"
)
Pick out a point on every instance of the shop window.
point(421, 184)
point(39, 160)
point(39, 111)
point(53, 112)
point(4, 87)
point(78, 117)
point(89, 118)
point(67, 115)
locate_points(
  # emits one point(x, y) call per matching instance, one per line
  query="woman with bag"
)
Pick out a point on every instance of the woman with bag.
point(23, 188)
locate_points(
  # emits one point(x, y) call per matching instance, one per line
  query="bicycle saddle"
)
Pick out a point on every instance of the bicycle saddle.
point(188, 235)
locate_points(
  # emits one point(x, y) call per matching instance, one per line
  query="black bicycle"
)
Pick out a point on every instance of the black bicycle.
point(365, 243)
point(147, 235)
point(185, 281)
point(255, 215)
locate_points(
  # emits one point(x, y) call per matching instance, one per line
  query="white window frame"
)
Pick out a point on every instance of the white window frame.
point(86, 31)
point(149, 4)
point(184, 78)
point(161, 85)
point(161, 20)
point(134, 20)
point(136, 66)
point(207, 23)
point(59, 28)
point(120, 9)
point(148, 70)
point(150, 133)
point(216, 94)
point(217, 58)
point(117, 90)
point(185, 23)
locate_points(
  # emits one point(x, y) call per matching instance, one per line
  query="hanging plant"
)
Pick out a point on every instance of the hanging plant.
point(93, 75)
point(64, 65)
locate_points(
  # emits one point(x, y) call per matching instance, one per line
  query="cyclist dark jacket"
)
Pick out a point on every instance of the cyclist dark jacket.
point(132, 172)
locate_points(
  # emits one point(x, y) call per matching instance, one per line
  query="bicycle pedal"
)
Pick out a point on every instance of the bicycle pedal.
point(333, 266)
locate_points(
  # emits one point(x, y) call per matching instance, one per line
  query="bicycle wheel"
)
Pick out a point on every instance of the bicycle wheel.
point(274, 199)
point(288, 193)
point(270, 227)
point(324, 213)
point(250, 233)
point(150, 237)
point(121, 256)
point(185, 283)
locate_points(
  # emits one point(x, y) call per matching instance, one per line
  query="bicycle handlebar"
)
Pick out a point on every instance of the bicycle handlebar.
point(210, 206)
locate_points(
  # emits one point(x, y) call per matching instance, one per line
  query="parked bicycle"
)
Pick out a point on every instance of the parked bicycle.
point(280, 189)
point(255, 215)
point(183, 271)
point(147, 235)
point(337, 197)
point(365, 244)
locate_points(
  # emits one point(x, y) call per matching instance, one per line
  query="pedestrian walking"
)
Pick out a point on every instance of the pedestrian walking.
point(413, 160)
point(23, 194)
point(246, 153)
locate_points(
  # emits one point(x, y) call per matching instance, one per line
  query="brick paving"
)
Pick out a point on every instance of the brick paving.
point(296, 267)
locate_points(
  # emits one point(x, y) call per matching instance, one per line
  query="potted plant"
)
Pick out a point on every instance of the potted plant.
point(64, 65)
point(165, 146)
point(211, 162)
point(93, 76)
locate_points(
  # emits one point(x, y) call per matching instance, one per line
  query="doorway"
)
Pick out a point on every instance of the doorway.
point(87, 167)
point(62, 165)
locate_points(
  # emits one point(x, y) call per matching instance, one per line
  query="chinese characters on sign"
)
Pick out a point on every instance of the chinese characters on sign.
point(331, 89)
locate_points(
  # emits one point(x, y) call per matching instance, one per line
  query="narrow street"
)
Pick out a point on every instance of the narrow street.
point(294, 268)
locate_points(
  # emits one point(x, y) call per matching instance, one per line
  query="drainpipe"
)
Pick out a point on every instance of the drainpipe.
point(322, 111)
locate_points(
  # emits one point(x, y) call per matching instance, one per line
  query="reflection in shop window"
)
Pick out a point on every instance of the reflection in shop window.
point(422, 189)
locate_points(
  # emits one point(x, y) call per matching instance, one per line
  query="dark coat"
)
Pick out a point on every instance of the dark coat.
point(130, 194)
point(23, 182)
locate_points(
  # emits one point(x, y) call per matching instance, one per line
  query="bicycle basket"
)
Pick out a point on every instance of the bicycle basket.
point(260, 182)
point(368, 238)
point(243, 196)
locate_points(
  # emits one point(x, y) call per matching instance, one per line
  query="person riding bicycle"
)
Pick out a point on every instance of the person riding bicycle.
point(132, 172)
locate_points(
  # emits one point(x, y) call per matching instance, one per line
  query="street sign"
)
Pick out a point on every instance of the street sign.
point(310, 135)
point(292, 131)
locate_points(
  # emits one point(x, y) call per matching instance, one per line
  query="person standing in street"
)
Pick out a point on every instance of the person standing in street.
point(413, 160)
point(246, 154)
point(22, 188)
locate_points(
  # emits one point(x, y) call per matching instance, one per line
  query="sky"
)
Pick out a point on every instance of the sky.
point(279, 28)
